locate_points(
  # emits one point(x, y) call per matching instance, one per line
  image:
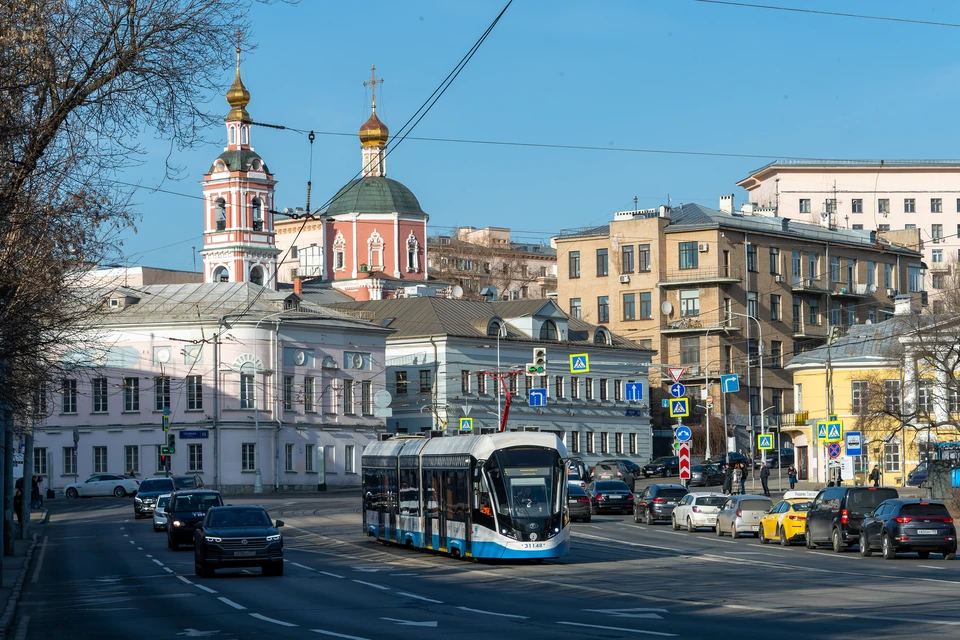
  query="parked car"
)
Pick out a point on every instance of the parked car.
point(610, 495)
point(697, 510)
point(836, 513)
point(740, 515)
point(103, 485)
point(657, 502)
point(787, 519)
point(185, 510)
point(614, 470)
point(919, 475)
point(904, 525)
point(238, 537)
point(666, 466)
point(578, 503)
point(705, 475)
point(160, 512)
point(784, 457)
point(721, 460)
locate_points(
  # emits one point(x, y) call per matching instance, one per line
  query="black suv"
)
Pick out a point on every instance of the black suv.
point(909, 525)
point(836, 513)
point(238, 537)
point(185, 511)
point(151, 488)
point(657, 502)
point(666, 467)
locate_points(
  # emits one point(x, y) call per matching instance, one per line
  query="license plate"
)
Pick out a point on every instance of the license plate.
point(244, 554)
point(927, 532)
point(613, 497)
point(755, 527)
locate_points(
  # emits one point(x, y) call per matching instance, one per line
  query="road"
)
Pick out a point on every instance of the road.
point(101, 574)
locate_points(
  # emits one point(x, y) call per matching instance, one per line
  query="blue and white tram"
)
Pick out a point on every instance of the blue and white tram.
point(499, 495)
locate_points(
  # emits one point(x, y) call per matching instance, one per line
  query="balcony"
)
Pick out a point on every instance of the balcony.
point(794, 419)
point(700, 276)
point(693, 324)
point(855, 290)
point(940, 267)
point(808, 285)
point(809, 331)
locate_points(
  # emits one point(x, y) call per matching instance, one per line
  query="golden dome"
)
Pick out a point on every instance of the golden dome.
point(238, 97)
point(373, 132)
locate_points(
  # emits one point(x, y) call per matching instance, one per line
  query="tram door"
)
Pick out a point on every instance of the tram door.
point(382, 499)
point(390, 503)
point(431, 512)
point(446, 497)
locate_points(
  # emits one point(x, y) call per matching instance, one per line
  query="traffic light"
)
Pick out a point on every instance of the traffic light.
point(540, 359)
point(171, 447)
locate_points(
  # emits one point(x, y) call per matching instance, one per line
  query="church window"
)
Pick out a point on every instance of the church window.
point(339, 253)
point(221, 207)
point(221, 274)
point(233, 135)
point(338, 259)
point(244, 135)
point(256, 275)
point(375, 245)
point(257, 215)
point(413, 253)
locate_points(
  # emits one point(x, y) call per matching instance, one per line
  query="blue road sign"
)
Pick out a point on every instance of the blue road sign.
point(834, 431)
point(466, 424)
point(196, 434)
point(683, 433)
point(665, 403)
point(821, 431)
point(538, 397)
point(764, 442)
point(679, 408)
point(730, 383)
point(833, 449)
point(677, 390)
point(166, 411)
point(579, 363)
point(634, 391)
point(854, 443)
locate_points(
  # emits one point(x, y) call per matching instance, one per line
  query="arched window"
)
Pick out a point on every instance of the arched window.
point(413, 253)
point(602, 336)
point(244, 135)
point(548, 330)
point(257, 214)
point(220, 274)
point(233, 135)
point(495, 327)
point(221, 211)
point(375, 251)
point(339, 253)
point(256, 275)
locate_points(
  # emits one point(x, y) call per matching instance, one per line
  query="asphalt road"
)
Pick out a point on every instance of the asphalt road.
point(101, 574)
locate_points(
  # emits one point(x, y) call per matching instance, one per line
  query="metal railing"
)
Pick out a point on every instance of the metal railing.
point(702, 273)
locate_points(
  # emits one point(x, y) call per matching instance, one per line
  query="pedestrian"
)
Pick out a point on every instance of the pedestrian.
point(839, 477)
point(764, 477)
point(41, 491)
point(18, 505)
point(743, 478)
point(18, 484)
point(737, 479)
point(34, 493)
point(728, 479)
point(875, 475)
point(792, 476)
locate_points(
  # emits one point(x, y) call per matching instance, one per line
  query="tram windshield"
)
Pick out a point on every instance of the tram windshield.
point(526, 482)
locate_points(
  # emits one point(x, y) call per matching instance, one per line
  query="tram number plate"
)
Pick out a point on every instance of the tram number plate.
point(244, 554)
point(533, 545)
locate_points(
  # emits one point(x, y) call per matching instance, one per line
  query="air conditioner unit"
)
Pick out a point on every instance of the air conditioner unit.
point(891, 293)
point(778, 278)
point(624, 279)
point(703, 247)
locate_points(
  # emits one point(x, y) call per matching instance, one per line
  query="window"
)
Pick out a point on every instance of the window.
point(350, 458)
point(936, 205)
point(775, 312)
point(309, 394)
point(936, 231)
point(548, 331)
point(774, 260)
point(804, 205)
point(309, 457)
point(633, 444)
point(690, 350)
point(872, 315)
point(813, 271)
point(752, 258)
point(754, 402)
point(576, 311)
point(574, 388)
point(626, 259)
point(348, 397)
point(194, 393)
point(887, 276)
point(247, 391)
point(40, 461)
point(426, 381)
point(99, 395)
point(924, 396)
point(871, 273)
point(588, 386)
point(248, 456)
point(936, 255)
point(604, 442)
point(776, 354)
point(400, 382)
point(858, 227)
point(891, 457)
point(69, 396)
point(195, 458)
point(602, 262)
point(574, 261)
point(575, 442)
point(69, 461)
point(512, 383)
point(830, 205)
point(776, 397)
point(689, 257)
point(753, 352)
point(883, 206)
point(646, 307)
point(858, 395)
point(464, 381)
point(909, 205)
point(589, 442)
point(937, 282)
point(834, 268)
point(629, 306)
point(481, 383)
point(915, 277)
point(953, 399)
point(795, 265)
point(161, 393)
point(753, 307)
point(131, 458)
point(618, 390)
point(288, 461)
point(835, 313)
point(100, 460)
point(813, 312)
point(856, 205)
point(603, 309)
point(689, 302)
point(366, 397)
point(288, 393)
point(909, 227)
point(643, 257)
point(558, 387)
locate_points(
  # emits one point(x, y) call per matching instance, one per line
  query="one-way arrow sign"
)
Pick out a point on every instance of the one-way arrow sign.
point(411, 623)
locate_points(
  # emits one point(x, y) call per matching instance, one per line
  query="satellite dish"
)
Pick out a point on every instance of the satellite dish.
point(666, 308)
point(456, 292)
point(873, 288)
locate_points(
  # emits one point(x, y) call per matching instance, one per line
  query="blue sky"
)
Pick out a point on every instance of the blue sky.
point(646, 74)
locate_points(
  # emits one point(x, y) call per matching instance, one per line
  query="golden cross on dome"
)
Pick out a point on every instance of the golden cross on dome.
point(372, 83)
point(239, 40)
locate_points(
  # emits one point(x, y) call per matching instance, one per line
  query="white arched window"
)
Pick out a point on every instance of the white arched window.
point(602, 336)
point(339, 253)
point(257, 214)
point(375, 251)
point(244, 135)
point(413, 254)
point(220, 274)
point(221, 212)
point(233, 135)
point(256, 275)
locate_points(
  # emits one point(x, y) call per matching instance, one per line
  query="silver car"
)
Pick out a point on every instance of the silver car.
point(160, 512)
point(741, 514)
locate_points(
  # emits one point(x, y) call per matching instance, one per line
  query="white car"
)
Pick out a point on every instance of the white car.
point(697, 510)
point(160, 512)
point(102, 485)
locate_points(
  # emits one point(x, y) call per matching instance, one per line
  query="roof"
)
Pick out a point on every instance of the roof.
point(374, 194)
point(449, 317)
point(863, 342)
point(239, 160)
point(866, 164)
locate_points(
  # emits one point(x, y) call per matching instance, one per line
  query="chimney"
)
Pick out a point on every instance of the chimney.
point(726, 203)
point(903, 305)
point(298, 286)
point(785, 224)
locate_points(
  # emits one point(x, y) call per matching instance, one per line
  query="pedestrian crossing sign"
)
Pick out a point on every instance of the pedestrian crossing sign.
point(679, 408)
point(579, 363)
point(466, 424)
point(834, 431)
point(821, 431)
point(765, 442)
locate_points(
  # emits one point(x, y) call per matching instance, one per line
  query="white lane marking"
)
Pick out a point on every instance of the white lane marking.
point(184, 580)
point(411, 623)
point(600, 626)
point(332, 575)
point(207, 589)
point(168, 569)
point(930, 566)
point(287, 504)
point(371, 584)
point(302, 566)
point(149, 556)
point(259, 616)
point(122, 528)
point(633, 544)
point(231, 603)
point(403, 575)
point(158, 562)
point(139, 548)
point(132, 542)
point(126, 535)
point(22, 628)
point(416, 597)
point(36, 569)
point(493, 613)
point(337, 635)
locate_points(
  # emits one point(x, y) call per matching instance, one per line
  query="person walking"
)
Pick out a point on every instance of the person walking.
point(875, 475)
point(728, 479)
point(743, 478)
point(737, 479)
point(41, 491)
point(792, 476)
point(764, 477)
point(18, 505)
point(34, 493)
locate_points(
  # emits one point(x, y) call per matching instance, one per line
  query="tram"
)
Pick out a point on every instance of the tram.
point(496, 496)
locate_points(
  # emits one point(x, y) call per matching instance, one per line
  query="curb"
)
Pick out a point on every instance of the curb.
point(7, 619)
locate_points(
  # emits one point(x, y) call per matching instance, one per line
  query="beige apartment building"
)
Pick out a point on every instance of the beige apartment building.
point(718, 292)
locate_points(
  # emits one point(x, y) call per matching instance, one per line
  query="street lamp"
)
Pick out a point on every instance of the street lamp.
point(760, 353)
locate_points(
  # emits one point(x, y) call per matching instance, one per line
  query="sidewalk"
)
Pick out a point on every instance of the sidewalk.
point(806, 485)
point(16, 567)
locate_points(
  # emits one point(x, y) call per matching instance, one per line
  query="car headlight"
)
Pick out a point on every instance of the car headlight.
point(213, 539)
point(137, 500)
point(177, 523)
point(275, 538)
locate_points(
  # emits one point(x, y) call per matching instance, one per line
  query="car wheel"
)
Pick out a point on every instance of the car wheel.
point(949, 554)
point(760, 535)
point(72, 493)
point(673, 523)
point(719, 530)
point(119, 492)
point(649, 518)
point(783, 538)
point(173, 544)
point(889, 553)
point(207, 572)
point(808, 540)
point(136, 516)
point(865, 551)
point(690, 527)
point(157, 529)
point(593, 510)
point(733, 532)
point(836, 541)
point(923, 555)
point(587, 519)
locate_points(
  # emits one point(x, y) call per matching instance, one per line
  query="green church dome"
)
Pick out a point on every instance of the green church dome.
point(239, 160)
point(374, 194)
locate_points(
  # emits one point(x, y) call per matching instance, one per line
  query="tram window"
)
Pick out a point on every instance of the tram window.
point(431, 482)
point(409, 496)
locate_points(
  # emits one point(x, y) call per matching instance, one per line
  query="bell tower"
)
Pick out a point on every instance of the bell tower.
point(238, 233)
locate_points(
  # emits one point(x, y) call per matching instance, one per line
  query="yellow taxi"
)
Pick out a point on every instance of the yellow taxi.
point(786, 519)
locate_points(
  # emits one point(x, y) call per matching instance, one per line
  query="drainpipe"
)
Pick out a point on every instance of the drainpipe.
point(277, 403)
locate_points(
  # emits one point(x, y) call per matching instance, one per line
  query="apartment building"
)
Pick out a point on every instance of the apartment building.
point(719, 292)
point(880, 195)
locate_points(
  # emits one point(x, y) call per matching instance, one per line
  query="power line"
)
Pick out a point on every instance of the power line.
point(838, 14)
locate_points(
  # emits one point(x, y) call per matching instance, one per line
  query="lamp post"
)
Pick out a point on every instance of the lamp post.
point(760, 353)
point(258, 480)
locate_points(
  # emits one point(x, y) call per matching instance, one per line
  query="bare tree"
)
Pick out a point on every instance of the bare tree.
point(475, 265)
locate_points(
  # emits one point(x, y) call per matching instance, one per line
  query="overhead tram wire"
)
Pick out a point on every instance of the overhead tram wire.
point(837, 14)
